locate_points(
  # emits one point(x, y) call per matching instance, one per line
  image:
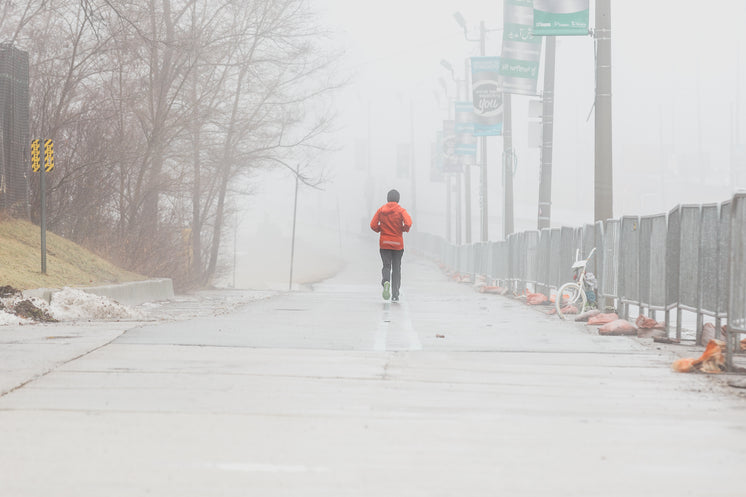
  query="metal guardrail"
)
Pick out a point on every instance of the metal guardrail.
point(692, 259)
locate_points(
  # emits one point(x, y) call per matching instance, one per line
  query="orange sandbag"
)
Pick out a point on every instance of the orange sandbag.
point(711, 361)
point(569, 309)
point(648, 323)
point(493, 289)
point(536, 298)
point(587, 315)
point(618, 327)
point(603, 318)
point(682, 365)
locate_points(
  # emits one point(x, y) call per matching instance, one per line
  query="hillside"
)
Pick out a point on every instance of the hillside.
point(68, 264)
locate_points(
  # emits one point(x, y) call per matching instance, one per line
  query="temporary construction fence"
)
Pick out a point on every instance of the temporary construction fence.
point(691, 259)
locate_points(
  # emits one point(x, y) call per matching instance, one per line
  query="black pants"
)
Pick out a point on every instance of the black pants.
point(392, 269)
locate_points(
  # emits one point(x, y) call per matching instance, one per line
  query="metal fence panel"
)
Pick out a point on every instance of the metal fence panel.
point(629, 253)
point(588, 239)
point(543, 273)
point(514, 242)
point(672, 257)
point(532, 247)
point(555, 259)
point(597, 263)
point(737, 301)
point(512, 256)
point(708, 259)
point(689, 256)
point(723, 258)
point(644, 245)
point(658, 262)
point(611, 261)
point(567, 254)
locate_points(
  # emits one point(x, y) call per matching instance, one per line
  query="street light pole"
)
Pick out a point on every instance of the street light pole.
point(547, 125)
point(467, 167)
point(508, 164)
point(603, 178)
point(467, 194)
point(483, 205)
point(483, 159)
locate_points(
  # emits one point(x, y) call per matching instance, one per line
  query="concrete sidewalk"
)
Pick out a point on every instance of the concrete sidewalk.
point(333, 392)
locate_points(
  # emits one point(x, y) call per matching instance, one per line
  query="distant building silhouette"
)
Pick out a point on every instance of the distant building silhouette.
point(14, 130)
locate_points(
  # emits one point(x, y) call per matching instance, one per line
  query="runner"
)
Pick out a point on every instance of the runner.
point(391, 221)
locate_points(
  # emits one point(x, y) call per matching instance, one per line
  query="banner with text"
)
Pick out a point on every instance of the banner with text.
point(521, 51)
point(561, 17)
point(466, 143)
point(487, 97)
point(450, 159)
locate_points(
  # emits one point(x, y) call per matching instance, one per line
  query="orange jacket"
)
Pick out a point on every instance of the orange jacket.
point(391, 220)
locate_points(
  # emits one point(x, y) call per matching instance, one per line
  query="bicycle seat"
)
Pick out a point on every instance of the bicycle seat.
point(579, 264)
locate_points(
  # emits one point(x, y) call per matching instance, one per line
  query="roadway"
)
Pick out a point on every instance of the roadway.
point(329, 391)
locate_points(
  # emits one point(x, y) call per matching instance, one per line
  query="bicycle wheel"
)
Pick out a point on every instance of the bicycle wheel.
point(569, 294)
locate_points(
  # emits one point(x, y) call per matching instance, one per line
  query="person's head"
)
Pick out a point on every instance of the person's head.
point(393, 196)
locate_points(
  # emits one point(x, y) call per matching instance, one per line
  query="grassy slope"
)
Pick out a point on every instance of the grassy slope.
point(68, 264)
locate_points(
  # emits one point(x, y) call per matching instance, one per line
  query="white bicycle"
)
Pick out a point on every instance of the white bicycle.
point(574, 293)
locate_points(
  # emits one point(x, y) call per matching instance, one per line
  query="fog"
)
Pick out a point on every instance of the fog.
point(678, 124)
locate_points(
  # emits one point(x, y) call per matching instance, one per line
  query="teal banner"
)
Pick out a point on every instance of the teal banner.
point(487, 97)
point(561, 17)
point(466, 143)
point(450, 159)
point(521, 50)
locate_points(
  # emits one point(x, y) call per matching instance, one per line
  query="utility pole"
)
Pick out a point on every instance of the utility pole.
point(292, 241)
point(484, 212)
point(547, 132)
point(483, 159)
point(467, 166)
point(452, 112)
point(508, 165)
point(603, 179)
point(507, 150)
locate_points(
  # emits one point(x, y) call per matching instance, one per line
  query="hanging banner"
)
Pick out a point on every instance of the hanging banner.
point(450, 159)
point(561, 17)
point(403, 160)
point(436, 159)
point(521, 52)
point(466, 143)
point(487, 97)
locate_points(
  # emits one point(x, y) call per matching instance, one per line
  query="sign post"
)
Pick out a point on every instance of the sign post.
point(47, 168)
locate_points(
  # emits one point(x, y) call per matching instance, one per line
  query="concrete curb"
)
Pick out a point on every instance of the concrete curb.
point(130, 293)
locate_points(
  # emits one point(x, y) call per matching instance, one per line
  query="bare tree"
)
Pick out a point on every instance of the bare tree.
point(160, 109)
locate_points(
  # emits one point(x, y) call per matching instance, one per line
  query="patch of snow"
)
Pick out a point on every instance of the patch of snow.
point(71, 304)
point(7, 318)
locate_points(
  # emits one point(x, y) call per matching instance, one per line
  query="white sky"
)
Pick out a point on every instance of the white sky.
point(675, 87)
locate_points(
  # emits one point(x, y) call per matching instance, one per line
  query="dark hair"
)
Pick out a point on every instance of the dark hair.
point(393, 196)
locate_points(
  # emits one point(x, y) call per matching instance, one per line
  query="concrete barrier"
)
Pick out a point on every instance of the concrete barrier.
point(135, 292)
point(130, 293)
